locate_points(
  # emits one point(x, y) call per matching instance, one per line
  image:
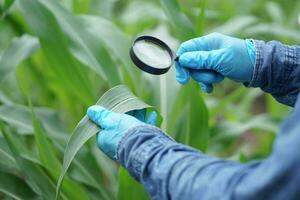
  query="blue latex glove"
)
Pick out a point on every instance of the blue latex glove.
point(114, 126)
point(210, 58)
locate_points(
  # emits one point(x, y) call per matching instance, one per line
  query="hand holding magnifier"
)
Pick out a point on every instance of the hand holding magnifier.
point(152, 55)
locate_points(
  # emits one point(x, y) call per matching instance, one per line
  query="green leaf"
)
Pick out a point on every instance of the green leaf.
point(118, 99)
point(7, 162)
point(4, 99)
point(80, 40)
point(20, 49)
point(275, 109)
point(198, 134)
point(236, 24)
point(50, 162)
point(129, 188)
point(6, 6)
point(188, 119)
point(19, 117)
point(181, 24)
point(273, 30)
point(8, 3)
point(200, 24)
point(234, 129)
point(67, 72)
point(15, 187)
point(109, 35)
point(275, 12)
point(33, 172)
point(108, 168)
point(45, 149)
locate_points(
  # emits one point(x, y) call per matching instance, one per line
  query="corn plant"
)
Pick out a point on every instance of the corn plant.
point(58, 57)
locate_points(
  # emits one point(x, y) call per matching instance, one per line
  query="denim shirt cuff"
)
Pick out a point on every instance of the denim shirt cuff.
point(258, 64)
point(135, 161)
point(289, 54)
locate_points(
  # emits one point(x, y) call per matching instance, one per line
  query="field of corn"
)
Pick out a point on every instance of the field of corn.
point(57, 57)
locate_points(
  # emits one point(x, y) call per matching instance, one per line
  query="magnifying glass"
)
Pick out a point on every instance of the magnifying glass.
point(152, 55)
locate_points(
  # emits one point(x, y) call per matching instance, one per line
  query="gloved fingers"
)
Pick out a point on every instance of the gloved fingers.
point(208, 88)
point(196, 44)
point(203, 59)
point(151, 118)
point(206, 76)
point(103, 117)
point(139, 114)
point(182, 74)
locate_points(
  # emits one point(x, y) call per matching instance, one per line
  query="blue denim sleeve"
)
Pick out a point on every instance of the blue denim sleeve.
point(169, 170)
point(277, 70)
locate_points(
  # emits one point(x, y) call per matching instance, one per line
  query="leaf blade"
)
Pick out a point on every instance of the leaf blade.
point(34, 173)
point(15, 187)
point(178, 19)
point(86, 129)
point(20, 49)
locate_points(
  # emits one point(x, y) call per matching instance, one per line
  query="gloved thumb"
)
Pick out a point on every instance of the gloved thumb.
point(102, 117)
point(151, 118)
point(182, 74)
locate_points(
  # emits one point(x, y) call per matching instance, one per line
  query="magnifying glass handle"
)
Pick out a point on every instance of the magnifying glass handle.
point(174, 55)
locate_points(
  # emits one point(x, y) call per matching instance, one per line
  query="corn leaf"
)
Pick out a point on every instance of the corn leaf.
point(19, 117)
point(107, 34)
point(234, 129)
point(189, 124)
point(50, 161)
point(181, 24)
point(15, 187)
point(274, 30)
point(118, 99)
point(38, 179)
point(20, 49)
point(45, 148)
point(193, 112)
point(108, 168)
point(236, 25)
point(69, 74)
point(198, 134)
point(129, 188)
point(79, 40)
point(4, 99)
point(7, 162)
point(6, 6)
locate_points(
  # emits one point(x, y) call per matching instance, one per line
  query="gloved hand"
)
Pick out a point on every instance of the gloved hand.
point(210, 58)
point(114, 126)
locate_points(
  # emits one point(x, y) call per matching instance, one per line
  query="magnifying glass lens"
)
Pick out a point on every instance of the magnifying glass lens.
point(152, 54)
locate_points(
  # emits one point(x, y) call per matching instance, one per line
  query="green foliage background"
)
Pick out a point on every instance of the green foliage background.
point(57, 57)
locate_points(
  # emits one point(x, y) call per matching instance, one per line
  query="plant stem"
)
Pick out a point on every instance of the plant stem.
point(163, 100)
point(201, 19)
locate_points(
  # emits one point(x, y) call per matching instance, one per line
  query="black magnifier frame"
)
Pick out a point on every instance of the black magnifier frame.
point(145, 67)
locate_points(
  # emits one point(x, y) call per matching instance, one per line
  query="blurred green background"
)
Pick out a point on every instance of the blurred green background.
point(59, 56)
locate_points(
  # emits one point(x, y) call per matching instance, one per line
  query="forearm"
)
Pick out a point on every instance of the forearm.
point(169, 170)
point(277, 70)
